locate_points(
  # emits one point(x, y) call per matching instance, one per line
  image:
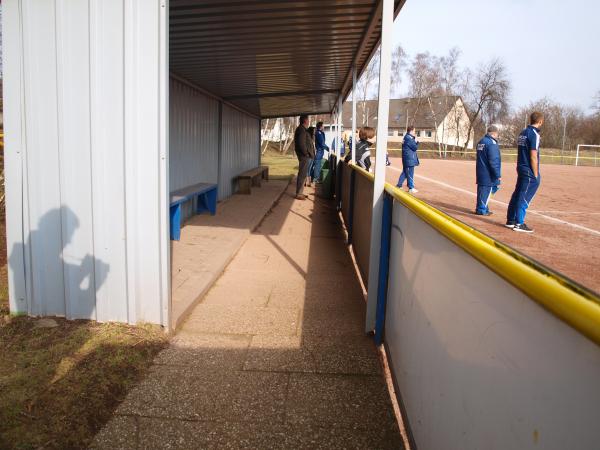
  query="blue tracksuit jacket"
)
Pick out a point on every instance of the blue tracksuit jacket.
point(409, 151)
point(488, 161)
point(529, 140)
point(320, 144)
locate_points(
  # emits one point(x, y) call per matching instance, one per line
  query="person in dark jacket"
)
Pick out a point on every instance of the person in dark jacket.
point(321, 147)
point(304, 148)
point(487, 170)
point(528, 174)
point(363, 147)
point(409, 160)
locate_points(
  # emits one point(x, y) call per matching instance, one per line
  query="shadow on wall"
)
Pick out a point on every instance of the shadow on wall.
point(52, 278)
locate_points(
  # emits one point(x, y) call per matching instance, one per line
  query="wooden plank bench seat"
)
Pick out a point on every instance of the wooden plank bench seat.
point(206, 200)
point(252, 177)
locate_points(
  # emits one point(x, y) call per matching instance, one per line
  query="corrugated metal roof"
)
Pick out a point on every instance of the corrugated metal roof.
point(274, 58)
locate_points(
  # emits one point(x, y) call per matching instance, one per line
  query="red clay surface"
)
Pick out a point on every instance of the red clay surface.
point(565, 212)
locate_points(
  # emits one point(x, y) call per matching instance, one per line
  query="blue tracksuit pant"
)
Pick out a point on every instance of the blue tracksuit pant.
point(408, 173)
point(522, 196)
point(483, 197)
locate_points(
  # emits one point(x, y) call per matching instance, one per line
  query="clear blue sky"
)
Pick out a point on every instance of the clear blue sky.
point(563, 65)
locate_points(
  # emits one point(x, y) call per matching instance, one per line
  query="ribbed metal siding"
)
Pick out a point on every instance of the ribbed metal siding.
point(193, 138)
point(86, 159)
point(240, 147)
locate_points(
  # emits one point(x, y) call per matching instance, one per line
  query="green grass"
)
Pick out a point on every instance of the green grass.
point(280, 166)
point(59, 386)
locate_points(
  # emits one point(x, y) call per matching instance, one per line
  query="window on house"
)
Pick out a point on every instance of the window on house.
point(390, 132)
point(428, 133)
point(419, 133)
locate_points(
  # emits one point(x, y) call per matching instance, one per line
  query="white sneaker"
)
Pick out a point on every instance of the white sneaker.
point(413, 191)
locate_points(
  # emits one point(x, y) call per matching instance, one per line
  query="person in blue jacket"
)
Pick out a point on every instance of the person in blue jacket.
point(528, 174)
point(409, 160)
point(321, 147)
point(487, 169)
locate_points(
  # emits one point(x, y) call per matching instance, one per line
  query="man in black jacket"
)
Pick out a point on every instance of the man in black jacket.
point(305, 151)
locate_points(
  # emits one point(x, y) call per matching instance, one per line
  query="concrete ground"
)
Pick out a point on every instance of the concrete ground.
point(274, 356)
point(208, 243)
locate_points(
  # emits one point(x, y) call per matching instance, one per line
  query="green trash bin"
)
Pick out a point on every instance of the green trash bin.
point(326, 186)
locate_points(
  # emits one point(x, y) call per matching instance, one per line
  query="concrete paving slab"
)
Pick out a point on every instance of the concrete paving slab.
point(279, 354)
point(121, 433)
point(361, 402)
point(217, 319)
point(178, 434)
point(275, 355)
point(195, 394)
point(208, 243)
point(210, 352)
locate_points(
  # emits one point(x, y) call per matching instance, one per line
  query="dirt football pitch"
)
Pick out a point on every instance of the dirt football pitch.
point(565, 212)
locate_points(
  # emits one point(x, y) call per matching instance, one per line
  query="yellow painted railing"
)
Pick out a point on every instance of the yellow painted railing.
point(570, 302)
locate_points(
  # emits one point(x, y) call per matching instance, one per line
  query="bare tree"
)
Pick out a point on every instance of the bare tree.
point(486, 92)
point(596, 105)
point(450, 75)
point(398, 65)
point(366, 83)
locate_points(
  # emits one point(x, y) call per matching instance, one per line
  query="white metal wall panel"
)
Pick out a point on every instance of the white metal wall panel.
point(478, 363)
point(43, 237)
point(108, 158)
point(193, 137)
point(14, 163)
point(86, 115)
point(240, 147)
point(73, 87)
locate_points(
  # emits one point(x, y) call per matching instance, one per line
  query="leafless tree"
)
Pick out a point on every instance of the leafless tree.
point(596, 105)
point(449, 76)
point(486, 93)
point(398, 65)
point(365, 85)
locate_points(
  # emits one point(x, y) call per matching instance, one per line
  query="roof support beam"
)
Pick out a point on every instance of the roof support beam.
point(284, 94)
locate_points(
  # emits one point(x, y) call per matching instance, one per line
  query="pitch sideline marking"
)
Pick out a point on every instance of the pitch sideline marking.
point(532, 211)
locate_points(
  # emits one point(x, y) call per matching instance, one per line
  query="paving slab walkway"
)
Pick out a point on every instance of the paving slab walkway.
point(274, 356)
point(208, 243)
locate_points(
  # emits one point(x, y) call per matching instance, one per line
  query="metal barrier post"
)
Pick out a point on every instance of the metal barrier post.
point(350, 223)
point(384, 266)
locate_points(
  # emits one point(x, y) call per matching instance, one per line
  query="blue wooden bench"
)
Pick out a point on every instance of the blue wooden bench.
point(206, 195)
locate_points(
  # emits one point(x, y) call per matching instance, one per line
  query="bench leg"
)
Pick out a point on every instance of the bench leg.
point(265, 174)
point(201, 204)
point(256, 180)
point(207, 202)
point(212, 201)
point(245, 186)
point(175, 213)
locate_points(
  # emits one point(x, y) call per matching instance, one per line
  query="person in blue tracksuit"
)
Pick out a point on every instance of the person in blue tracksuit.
point(321, 147)
point(528, 174)
point(409, 160)
point(487, 169)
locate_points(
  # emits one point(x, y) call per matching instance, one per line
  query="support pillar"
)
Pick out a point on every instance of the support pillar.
point(385, 66)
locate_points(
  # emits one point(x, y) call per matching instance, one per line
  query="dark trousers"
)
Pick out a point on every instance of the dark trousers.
point(522, 196)
point(408, 173)
point(483, 197)
point(303, 164)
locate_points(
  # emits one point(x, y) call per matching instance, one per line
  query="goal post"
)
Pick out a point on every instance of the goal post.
point(577, 153)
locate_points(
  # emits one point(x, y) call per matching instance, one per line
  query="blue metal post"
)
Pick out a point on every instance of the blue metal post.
point(384, 266)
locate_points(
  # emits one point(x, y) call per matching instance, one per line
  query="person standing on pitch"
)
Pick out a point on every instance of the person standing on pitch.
point(409, 160)
point(528, 174)
point(304, 147)
point(487, 170)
